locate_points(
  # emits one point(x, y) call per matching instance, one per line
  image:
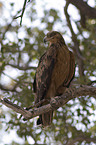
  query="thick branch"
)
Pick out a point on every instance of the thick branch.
point(55, 103)
point(15, 107)
point(86, 11)
point(76, 42)
point(84, 8)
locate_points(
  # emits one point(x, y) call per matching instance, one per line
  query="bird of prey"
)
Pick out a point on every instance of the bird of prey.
point(54, 73)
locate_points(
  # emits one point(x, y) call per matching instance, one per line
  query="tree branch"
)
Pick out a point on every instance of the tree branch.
point(86, 11)
point(21, 67)
point(23, 10)
point(7, 89)
point(55, 103)
point(76, 42)
point(84, 8)
point(81, 138)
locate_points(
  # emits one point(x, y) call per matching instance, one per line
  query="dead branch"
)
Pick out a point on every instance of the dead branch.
point(54, 104)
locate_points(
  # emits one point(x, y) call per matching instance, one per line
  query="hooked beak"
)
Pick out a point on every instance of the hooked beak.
point(46, 39)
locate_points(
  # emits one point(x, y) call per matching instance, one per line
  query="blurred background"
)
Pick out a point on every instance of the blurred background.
point(20, 49)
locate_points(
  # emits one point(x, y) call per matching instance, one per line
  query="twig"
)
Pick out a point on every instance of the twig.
point(36, 105)
point(9, 25)
point(7, 89)
point(23, 9)
point(9, 77)
point(21, 67)
point(6, 29)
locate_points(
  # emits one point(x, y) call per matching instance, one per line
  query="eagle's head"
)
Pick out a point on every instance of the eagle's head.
point(53, 37)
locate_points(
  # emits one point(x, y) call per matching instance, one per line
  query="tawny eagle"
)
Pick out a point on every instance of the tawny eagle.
point(54, 73)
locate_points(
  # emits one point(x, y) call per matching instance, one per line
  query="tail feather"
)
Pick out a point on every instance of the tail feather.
point(45, 119)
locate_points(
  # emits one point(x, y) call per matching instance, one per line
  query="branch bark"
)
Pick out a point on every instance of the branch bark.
point(84, 8)
point(54, 104)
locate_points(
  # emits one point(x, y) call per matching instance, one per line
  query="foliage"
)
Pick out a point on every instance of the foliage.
point(20, 55)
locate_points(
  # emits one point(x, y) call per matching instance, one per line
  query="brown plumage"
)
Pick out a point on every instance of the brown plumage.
point(54, 73)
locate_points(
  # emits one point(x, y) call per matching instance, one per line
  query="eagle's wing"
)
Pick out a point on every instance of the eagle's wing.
point(70, 77)
point(34, 83)
point(44, 73)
